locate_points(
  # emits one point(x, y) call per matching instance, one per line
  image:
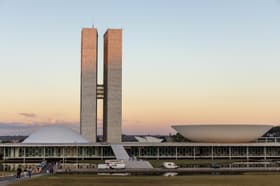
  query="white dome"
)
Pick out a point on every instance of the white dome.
point(55, 134)
point(222, 133)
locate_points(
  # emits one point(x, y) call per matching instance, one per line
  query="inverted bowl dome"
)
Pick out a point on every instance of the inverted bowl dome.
point(222, 133)
point(55, 134)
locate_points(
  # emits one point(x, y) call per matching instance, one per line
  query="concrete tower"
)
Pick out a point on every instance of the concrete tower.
point(88, 104)
point(112, 104)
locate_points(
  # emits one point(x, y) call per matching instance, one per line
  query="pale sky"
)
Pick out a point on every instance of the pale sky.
point(184, 62)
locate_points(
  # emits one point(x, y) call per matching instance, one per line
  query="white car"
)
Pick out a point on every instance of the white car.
point(103, 166)
point(117, 165)
point(170, 165)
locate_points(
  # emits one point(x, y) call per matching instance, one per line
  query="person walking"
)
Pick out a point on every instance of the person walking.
point(25, 172)
point(18, 173)
point(51, 169)
point(29, 172)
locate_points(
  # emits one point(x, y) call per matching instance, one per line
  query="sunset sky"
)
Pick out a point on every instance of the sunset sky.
point(184, 61)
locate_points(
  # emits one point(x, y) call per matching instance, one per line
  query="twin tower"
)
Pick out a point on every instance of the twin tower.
point(111, 89)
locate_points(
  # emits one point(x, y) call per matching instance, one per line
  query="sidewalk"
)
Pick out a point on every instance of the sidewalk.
point(11, 179)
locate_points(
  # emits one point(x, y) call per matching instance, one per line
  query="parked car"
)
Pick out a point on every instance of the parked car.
point(103, 166)
point(170, 165)
point(117, 166)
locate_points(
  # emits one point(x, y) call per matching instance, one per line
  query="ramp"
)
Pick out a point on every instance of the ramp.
point(120, 152)
point(138, 164)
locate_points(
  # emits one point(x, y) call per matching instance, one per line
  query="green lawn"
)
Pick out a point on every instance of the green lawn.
point(200, 180)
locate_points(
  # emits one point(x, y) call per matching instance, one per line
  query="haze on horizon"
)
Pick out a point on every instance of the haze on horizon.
point(183, 61)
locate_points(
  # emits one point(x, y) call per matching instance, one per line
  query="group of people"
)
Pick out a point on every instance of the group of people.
point(44, 167)
point(27, 172)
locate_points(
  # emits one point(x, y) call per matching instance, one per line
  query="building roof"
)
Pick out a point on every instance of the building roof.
point(222, 133)
point(55, 134)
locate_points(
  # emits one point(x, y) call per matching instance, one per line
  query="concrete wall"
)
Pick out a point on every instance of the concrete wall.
point(112, 114)
point(88, 101)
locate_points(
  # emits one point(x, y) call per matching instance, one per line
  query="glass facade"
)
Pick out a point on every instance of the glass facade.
point(141, 151)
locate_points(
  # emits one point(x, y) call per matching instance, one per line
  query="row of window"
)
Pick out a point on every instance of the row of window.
point(58, 151)
point(204, 151)
point(140, 151)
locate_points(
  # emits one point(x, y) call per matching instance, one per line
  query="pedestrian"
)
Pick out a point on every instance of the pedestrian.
point(18, 173)
point(51, 169)
point(25, 172)
point(29, 172)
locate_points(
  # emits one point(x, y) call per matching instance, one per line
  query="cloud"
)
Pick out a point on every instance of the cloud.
point(28, 115)
point(17, 128)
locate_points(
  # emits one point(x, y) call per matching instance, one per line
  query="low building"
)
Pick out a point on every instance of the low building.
point(61, 144)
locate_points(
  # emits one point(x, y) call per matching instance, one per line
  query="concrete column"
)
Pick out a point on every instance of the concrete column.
point(4, 153)
point(112, 104)
point(12, 152)
point(158, 153)
point(264, 152)
point(101, 153)
point(77, 156)
point(247, 153)
point(44, 152)
point(24, 154)
point(63, 157)
point(212, 152)
point(88, 103)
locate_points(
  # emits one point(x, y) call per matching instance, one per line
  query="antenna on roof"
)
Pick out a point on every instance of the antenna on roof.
point(92, 25)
